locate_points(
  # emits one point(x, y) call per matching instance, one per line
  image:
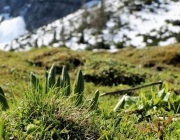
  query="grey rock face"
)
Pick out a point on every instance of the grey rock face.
point(37, 13)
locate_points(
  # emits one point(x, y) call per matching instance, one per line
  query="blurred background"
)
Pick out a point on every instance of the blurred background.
point(88, 24)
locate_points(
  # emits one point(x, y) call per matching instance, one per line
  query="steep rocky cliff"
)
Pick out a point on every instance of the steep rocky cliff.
point(37, 13)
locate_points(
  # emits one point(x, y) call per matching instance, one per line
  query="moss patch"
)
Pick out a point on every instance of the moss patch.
point(111, 72)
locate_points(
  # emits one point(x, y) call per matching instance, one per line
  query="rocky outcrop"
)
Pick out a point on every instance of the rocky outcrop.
point(37, 13)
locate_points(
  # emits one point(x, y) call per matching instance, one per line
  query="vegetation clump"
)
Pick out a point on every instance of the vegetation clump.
point(48, 111)
point(59, 59)
point(112, 72)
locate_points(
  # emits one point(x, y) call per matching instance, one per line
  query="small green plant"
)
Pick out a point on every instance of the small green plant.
point(52, 77)
point(58, 83)
point(3, 100)
point(50, 83)
point(1, 128)
point(94, 102)
point(34, 82)
point(79, 88)
point(150, 102)
point(46, 81)
point(65, 83)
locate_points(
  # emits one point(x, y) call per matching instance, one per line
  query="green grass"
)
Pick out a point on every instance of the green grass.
point(52, 116)
point(48, 116)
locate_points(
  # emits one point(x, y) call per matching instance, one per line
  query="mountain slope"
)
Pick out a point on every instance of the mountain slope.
point(37, 13)
point(110, 25)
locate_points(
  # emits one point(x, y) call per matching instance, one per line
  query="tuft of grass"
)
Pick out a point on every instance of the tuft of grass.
point(49, 116)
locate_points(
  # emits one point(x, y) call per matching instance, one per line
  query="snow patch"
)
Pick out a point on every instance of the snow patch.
point(91, 4)
point(11, 29)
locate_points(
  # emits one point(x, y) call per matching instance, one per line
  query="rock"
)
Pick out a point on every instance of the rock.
point(37, 13)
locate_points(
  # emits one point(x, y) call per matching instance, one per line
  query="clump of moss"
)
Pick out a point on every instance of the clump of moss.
point(59, 58)
point(112, 72)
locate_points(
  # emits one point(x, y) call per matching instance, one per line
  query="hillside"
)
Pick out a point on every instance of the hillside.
point(33, 115)
point(140, 64)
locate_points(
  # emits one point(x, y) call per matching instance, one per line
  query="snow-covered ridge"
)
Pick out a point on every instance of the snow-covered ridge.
point(122, 28)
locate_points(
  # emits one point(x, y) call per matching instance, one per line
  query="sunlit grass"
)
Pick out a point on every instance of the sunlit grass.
point(38, 116)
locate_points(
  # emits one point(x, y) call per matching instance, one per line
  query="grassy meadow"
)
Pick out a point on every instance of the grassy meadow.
point(39, 111)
